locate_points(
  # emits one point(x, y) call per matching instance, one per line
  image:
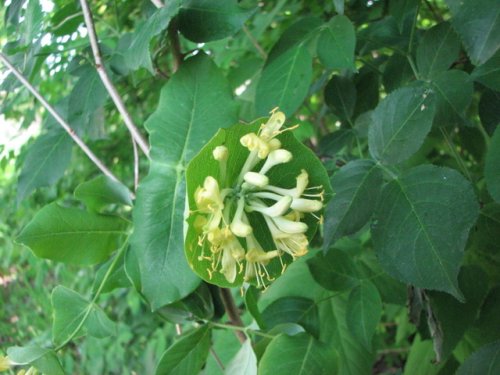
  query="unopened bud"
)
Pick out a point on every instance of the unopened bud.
point(289, 226)
point(276, 157)
point(306, 205)
point(256, 179)
point(220, 153)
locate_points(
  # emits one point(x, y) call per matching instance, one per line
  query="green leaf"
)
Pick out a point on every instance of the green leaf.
point(402, 9)
point(101, 192)
point(333, 271)
point(478, 24)
point(44, 360)
point(492, 166)
point(206, 20)
point(367, 90)
point(87, 96)
point(244, 362)
point(474, 285)
point(71, 235)
point(66, 19)
point(74, 315)
point(336, 44)
point(333, 143)
point(187, 355)
point(438, 49)
point(47, 159)
point(484, 361)
point(32, 23)
point(356, 189)
point(197, 305)
point(285, 81)
point(283, 175)
point(363, 312)
point(138, 54)
point(421, 225)
point(251, 297)
point(488, 110)
point(340, 95)
point(177, 132)
point(397, 72)
point(299, 354)
point(488, 73)
point(400, 124)
point(421, 358)
point(117, 279)
point(302, 311)
point(453, 90)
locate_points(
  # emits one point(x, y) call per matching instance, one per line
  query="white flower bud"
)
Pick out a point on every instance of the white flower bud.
point(274, 144)
point(276, 157)
point(256, 179)
point(306, 205)
point(289, 226)
point(220, 153)
point(277, 209)
point(240, 229)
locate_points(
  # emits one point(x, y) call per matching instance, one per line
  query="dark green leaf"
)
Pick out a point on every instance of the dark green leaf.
point(74, 315)
point(363, 312)
point(484, 361)
point(177, 132)
point(251, 297)
point(397, 72)
point(421, 225)
point(438, 49)
point(334, 271)
point(47, 159)
point(138, 54)
point(302, 311)
point(197, 305)
point(421, 358)
point(66, 20)
point(187, 355)
point(333, 143)
point(340, 95)
point(44, 360)
point(400, 124)
point(489, 73)
point(478, 24)
point(102, 191)
point(356, 187)
point(299, 354)
point(336, 44)
point(487, 229)
point(492, 166)
point(488, 110)
point(367, 90)
point(244, 362)
point(117, 279)
point(453, 90)
point(206, 20)
point(285, 81)
point(70, 235)
point(402, 9)
point(474, 285)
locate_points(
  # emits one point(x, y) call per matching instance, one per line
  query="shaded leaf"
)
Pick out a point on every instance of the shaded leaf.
point(285, 81)
point(74, 315)
point(363, 312)
point(300, 354)
point(187, 355)
point(438, 49)
point(478, 24)
point(488, 110)
point(102, 191)
point(47, 159)
point(402, 9)
point(251, 297)
point(421, 225)
point(193, 105)
point(206, 20)
point(400, 124)
point(397, 72)
point(488, 73)
point(356, 189)
point(333, 271)
point(336, 44)
point(333, 143)
point(71, 235)
point(340, 95)
point(492, 166)
point(44, 360)
point(484, 361)
point(421, 358)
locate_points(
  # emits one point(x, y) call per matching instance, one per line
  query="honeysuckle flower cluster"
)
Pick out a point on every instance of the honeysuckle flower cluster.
point(223, 222)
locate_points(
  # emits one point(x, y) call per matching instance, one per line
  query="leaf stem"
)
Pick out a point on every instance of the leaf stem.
point(243, 330)
point(232, 312)
point(71, 132)
point(96, 296)
point(108, 84)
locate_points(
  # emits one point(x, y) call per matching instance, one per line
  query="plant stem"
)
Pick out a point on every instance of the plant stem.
point(242, 330)
point(232, 313)
point(108, 84)
point(98, 163)
point(96, 296)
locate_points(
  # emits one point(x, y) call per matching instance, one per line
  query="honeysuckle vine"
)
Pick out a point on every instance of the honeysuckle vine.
point(226, 236)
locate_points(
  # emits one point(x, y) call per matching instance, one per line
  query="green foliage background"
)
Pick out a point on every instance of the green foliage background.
point(398, 98)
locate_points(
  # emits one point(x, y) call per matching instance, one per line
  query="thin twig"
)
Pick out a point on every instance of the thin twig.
point(255, 43)
point(136, 164)
point(99, 164)
point(108, 84)
point(232, 312)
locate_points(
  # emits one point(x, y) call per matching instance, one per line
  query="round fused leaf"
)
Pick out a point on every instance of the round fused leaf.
point(283, 175)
